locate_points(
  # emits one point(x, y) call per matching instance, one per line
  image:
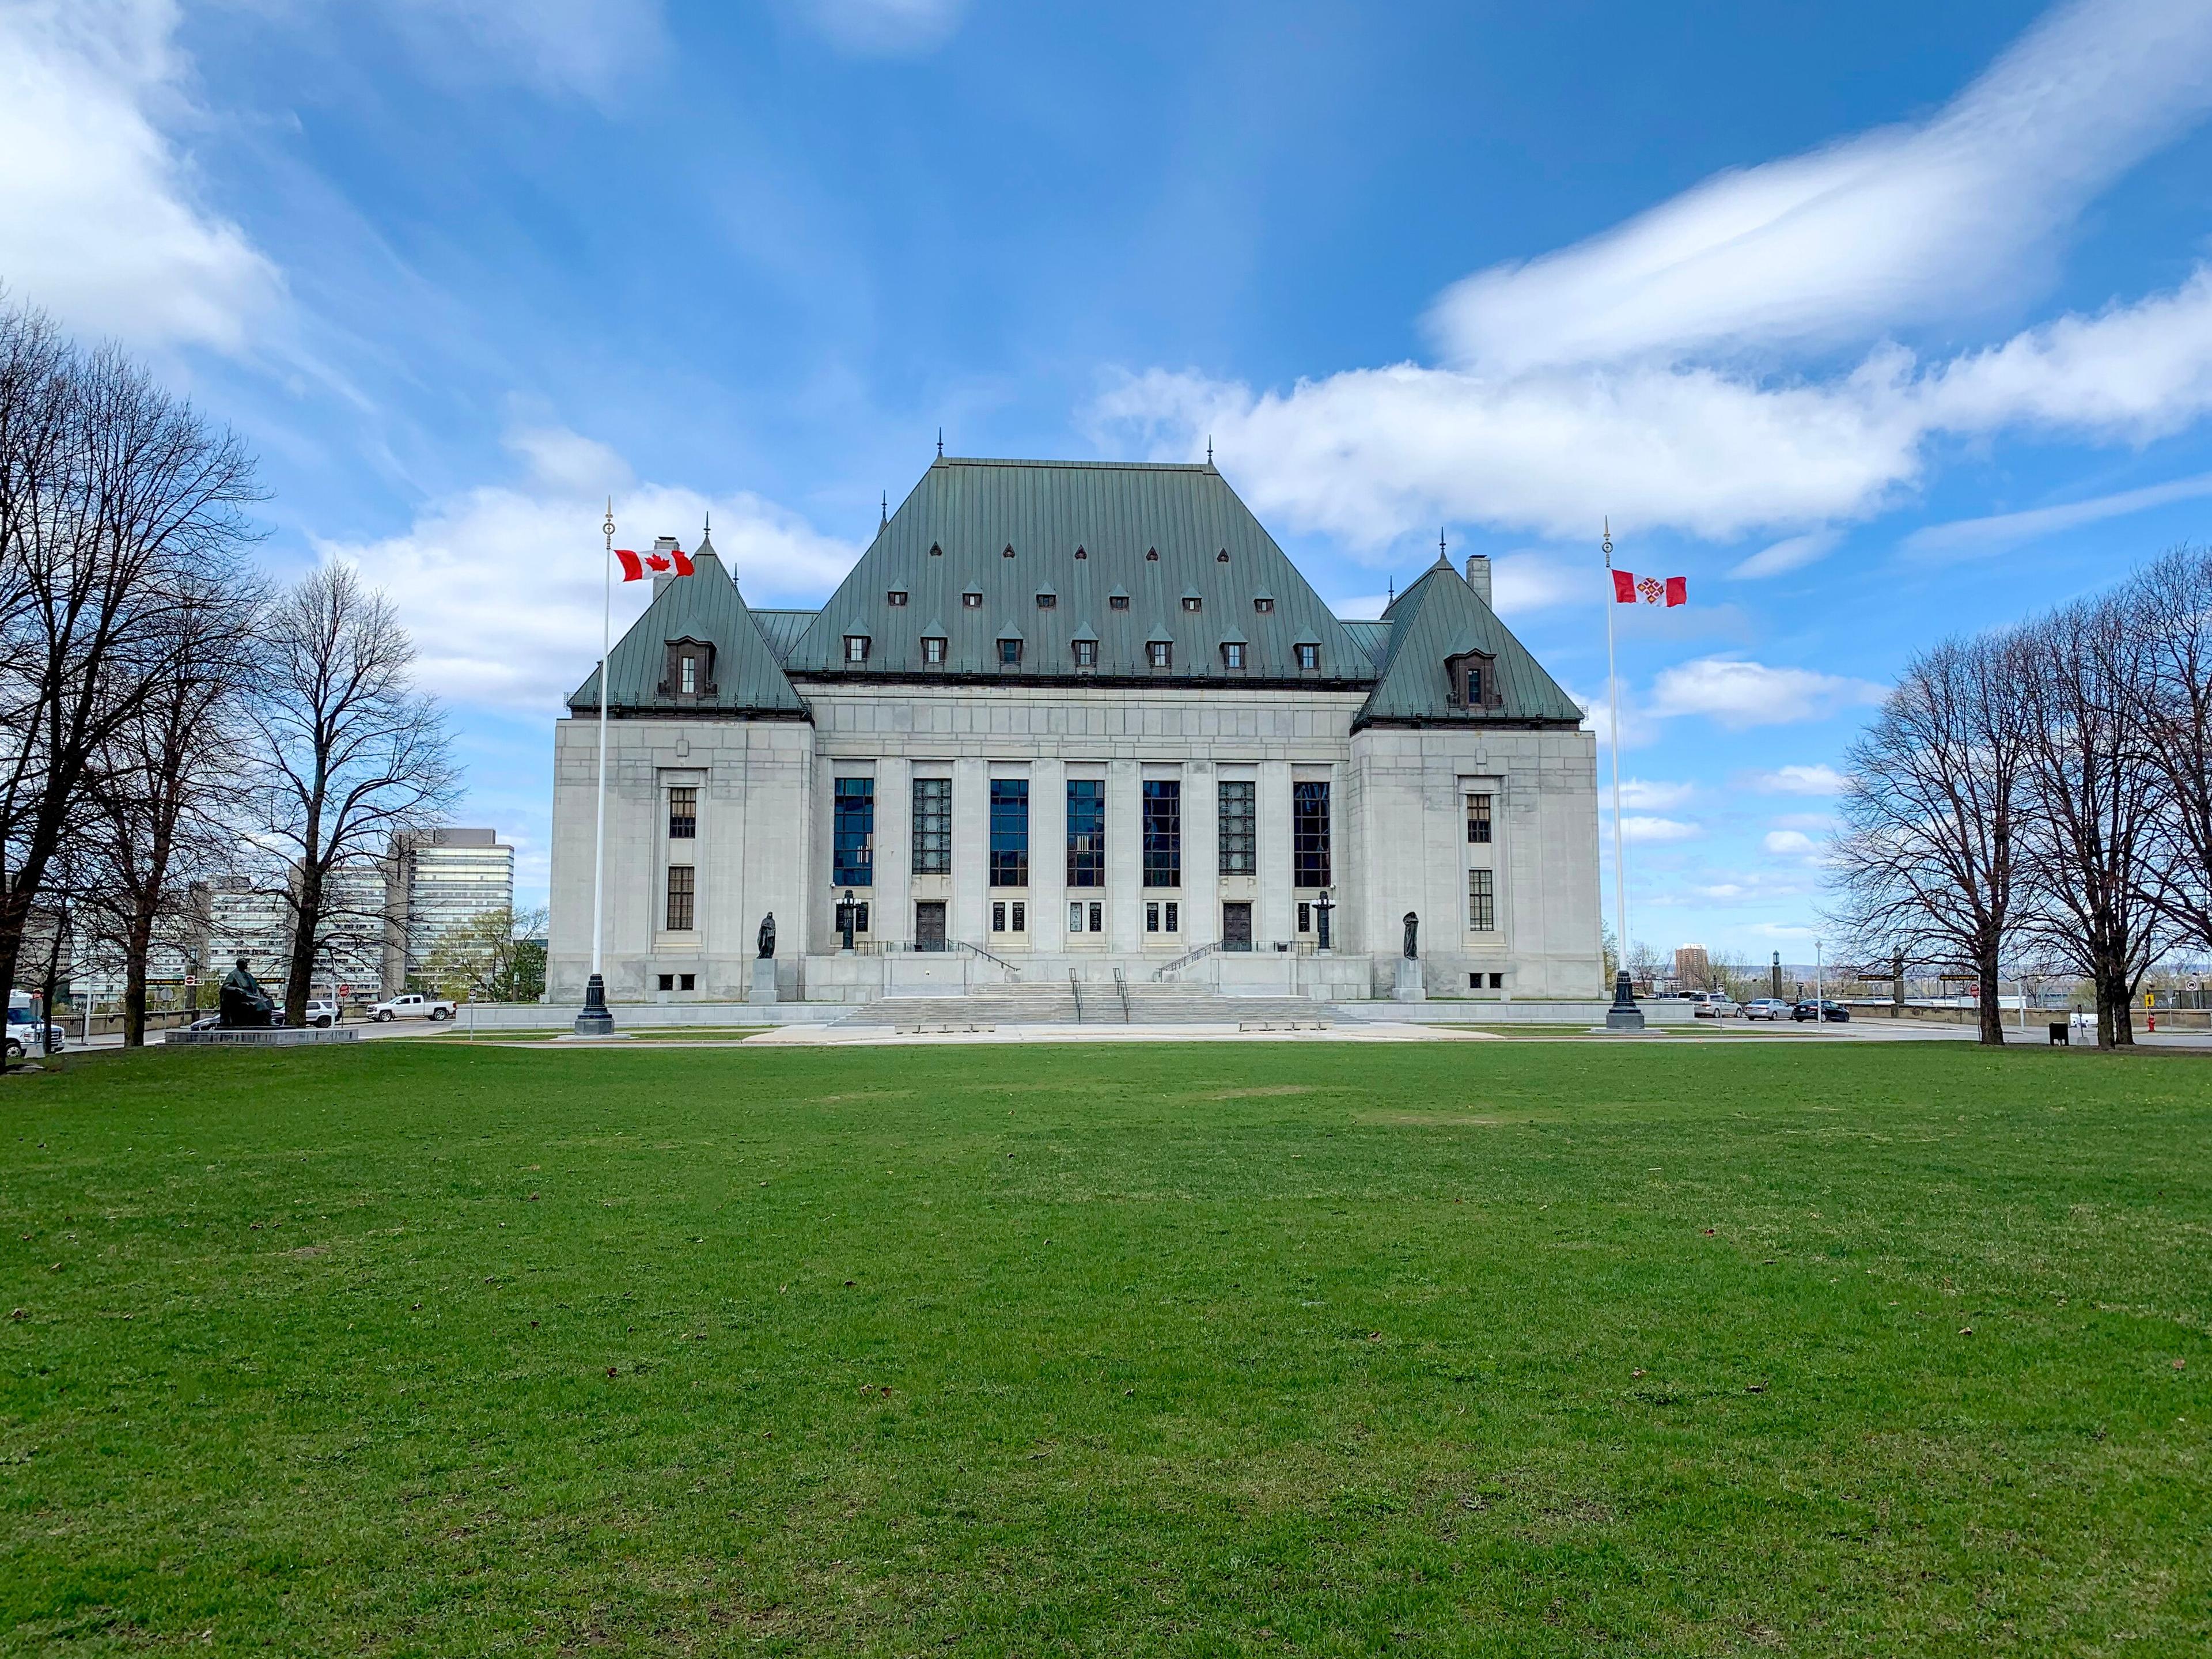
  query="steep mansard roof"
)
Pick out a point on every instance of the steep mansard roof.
point(1119, 515)
point(971, 512)
point(745, 678)
point(1437, 619)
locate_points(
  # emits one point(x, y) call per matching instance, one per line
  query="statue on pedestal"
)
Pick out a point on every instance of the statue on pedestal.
point(768, 936)
point(1412, 937)
point(243, 1004)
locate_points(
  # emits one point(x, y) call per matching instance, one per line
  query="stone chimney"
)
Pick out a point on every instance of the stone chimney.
point(1478, 576)
point(664, 545)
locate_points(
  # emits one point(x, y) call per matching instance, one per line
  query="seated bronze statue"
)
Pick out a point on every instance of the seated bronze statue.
point(245, 1003)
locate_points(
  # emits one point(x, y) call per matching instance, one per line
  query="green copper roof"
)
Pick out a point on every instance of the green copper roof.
point(1007, 532)
point(745, 679)
point(1439, 617)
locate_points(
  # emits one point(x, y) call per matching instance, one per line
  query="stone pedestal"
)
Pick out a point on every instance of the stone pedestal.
point(1624, 1015)
point(593, 1020)
point(763, 989)
point(1410, 988)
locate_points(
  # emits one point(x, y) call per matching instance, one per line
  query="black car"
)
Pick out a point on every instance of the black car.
point(1810, 1009)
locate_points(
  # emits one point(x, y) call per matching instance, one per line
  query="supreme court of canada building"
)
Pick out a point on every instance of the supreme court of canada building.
point(1067, 718)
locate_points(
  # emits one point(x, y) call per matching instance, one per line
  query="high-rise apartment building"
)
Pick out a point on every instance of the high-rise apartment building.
point(438, 881)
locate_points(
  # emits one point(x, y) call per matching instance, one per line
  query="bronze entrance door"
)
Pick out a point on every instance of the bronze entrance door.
point(1236, 926)
point(929, 925)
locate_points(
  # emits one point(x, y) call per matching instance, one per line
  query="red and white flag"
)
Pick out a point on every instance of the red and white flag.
point(1627, 589)
point(637, 567)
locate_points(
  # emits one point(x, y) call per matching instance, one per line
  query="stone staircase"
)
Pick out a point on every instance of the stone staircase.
point(1101, 1003)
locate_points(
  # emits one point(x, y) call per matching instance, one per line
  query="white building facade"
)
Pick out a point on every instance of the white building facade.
point(438, 883)
point(1078, 719)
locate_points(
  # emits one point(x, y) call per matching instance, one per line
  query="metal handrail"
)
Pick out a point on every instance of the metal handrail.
point(1122, 985)
point(1188, 957)
point(1076, 986)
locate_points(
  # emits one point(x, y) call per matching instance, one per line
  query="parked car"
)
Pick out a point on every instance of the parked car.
point(1719, 1005)
point(1810, 1009)
point(413, 1005)
point(325, 1014)
point(1768, 1008)
point(23, 1029)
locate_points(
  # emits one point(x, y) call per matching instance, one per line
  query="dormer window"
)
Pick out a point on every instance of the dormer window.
point(896, 596)
point(1191, 602)
point(1009, 553)
point(1086, 655)
point(1222, 557)
point(972, 599)
point(1233, 654)
point(1117, 601)
point(1160, 654)
point(935, 551)
point(1081, 553)
point(932, 650)
point(688, 669)
point(1151, 556)
point(1047, 598)
point(1009, 653)
point(1309, 658)
point(856, 647)
point(1263, 604)
point(1474, 677)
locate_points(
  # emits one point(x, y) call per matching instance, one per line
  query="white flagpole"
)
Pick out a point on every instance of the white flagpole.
point(1613, 687)
point(599, 832)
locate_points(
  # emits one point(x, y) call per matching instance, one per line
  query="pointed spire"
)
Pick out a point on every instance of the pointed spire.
point(1209, 449)
point(1444, 558)
point(940, 443)
point(884, 523)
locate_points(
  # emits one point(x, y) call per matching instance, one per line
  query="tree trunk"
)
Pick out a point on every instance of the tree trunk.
point(307, 922)
point(135, 949)
point(1991, 1016)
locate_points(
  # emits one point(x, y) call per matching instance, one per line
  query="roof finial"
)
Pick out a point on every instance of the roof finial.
point(707, 534)
point(1393, 599)
point(1209, 449)
point(940, 443)
point(884, 523)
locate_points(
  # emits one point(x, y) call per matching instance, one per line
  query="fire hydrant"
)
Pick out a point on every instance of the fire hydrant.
point(2150, 1021)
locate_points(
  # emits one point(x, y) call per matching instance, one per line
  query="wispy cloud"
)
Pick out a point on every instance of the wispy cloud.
point(884, 28)
point(1738, 693)
point(102, 220)
point(2000, 531)
point(1646, 831)
point(591, 48)
point(1816, 779)
point(1791, 842)
point(1897, 226)
point(1792, 553)
point(455, 573)
point(1655, 796)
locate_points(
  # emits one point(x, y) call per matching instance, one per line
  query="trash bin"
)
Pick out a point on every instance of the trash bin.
point(2060, 1037)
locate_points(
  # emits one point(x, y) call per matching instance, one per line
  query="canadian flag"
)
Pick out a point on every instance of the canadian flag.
point(637, 567)
point(1627, 590)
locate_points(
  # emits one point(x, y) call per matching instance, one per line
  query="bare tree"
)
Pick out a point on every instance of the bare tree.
point(115, 498)
point(2092, 797)
point(166, 803)
point(1928, 862)
point(2171, 602)
point(353, 754)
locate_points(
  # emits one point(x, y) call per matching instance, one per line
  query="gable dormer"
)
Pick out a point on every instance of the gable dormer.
point(690, 669)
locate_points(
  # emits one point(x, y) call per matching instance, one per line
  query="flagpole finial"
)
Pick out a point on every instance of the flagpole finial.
point(1605, 540)
point(608, 527)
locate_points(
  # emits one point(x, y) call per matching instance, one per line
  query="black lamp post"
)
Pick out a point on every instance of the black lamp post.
point(845, 920)
point(1323, 910)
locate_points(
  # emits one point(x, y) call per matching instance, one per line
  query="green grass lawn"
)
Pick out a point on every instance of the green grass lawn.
point(1501, 1348)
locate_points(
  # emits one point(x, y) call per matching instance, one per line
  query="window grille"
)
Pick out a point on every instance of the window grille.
point(1239, 829)
point(687, 669)
point(1162, 828)
point(932, 826)
point(1478, 819)
point(682, 813)
point(1232, 654)
point(1010, 832)
point(1086, 653)
point(1160, 654)
point(853, 833)
point(856, 649)
point(680, 895)
point(1309, 658)
point(1010, 652)
point(1309, 835)
point(932, 650)
point(1086, 832)
point(1482, 902)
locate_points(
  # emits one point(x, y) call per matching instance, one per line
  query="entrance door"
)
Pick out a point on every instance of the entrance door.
point(1236, 926)
point(929, 925)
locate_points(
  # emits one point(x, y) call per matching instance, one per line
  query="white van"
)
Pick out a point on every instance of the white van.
point(28, 1035)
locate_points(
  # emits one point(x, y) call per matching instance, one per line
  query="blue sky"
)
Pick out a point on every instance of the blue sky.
point(1875, 322)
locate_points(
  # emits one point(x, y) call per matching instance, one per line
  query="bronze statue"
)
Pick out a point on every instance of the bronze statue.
point(768, 936)
point(1412, 937)
point(244, 1003)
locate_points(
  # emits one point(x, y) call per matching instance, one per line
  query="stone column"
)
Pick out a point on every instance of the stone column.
point(1048, 855)
point(1271, 918)
point(1125, 864)
point(971, 850)
point(891, 911)
point(1201, 856)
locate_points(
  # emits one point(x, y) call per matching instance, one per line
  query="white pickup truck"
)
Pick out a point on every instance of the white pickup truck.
point(413, 1005)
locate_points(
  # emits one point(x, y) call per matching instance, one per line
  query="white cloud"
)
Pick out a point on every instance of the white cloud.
point(100, 217)
point(1813, 779)
point(886, 28)
point(2002, 530)
point(1652, 831)
point(1792, 553)
point(1636, 728)
point(1815, 822)
point(501, 586)
point(1794, 842)
point(1655, 796)
point(1521, 582)
point(1899, 225)
point(590, 47)
point(1738, 693)
point(1574, 385)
